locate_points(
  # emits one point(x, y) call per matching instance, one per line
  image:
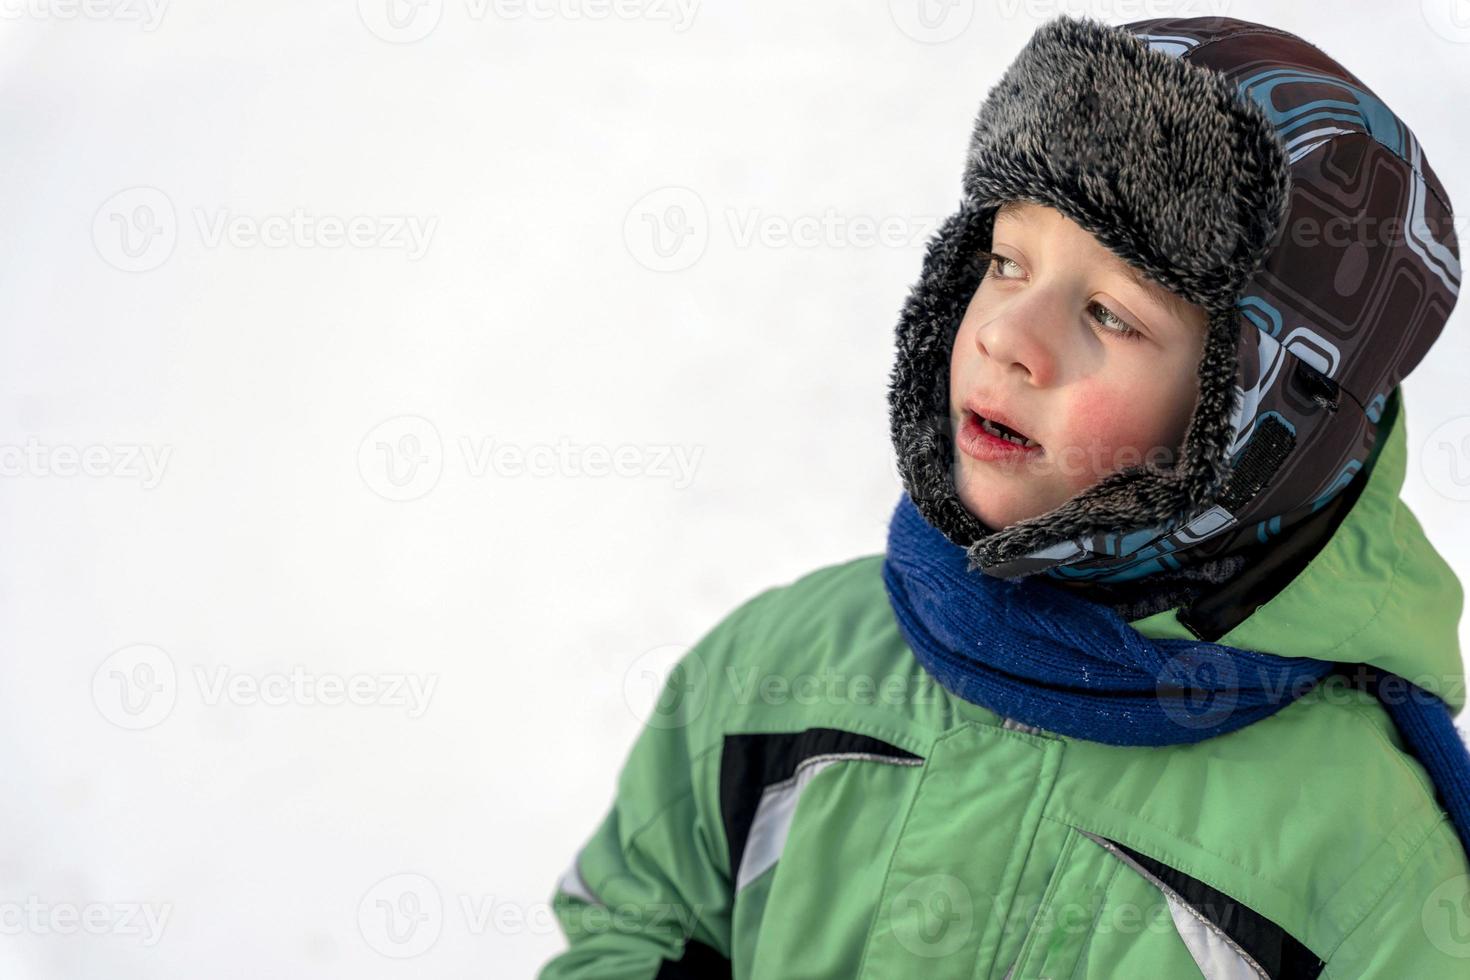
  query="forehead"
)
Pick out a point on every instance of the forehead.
point(1021, 214)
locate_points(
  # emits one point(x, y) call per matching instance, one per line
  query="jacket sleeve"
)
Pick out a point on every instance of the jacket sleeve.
point(1420, 928)
point(649, 895)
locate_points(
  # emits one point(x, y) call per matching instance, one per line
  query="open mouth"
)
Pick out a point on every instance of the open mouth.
point(994, 428)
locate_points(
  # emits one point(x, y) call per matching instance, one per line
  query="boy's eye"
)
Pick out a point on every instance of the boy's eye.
point(1002, 267)
point(1110, 322)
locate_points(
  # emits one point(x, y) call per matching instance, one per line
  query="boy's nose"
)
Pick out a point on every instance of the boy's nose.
point(1022, 336)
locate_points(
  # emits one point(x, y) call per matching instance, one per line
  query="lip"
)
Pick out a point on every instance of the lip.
point(999, 415)
point(979, 444)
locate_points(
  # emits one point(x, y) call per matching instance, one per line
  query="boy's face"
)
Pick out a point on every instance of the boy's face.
point(1062, 341)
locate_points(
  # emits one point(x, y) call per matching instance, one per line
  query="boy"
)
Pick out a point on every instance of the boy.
point(1155, 676)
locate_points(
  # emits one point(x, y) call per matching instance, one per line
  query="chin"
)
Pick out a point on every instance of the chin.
point(989, 504)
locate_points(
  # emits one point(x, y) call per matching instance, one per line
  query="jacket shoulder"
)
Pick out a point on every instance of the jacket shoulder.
point(849, 591)
point(820, 651)
point(1420, 924)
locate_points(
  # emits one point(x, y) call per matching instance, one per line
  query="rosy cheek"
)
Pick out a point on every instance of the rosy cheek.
point(1101, 415)
point(1106, 429)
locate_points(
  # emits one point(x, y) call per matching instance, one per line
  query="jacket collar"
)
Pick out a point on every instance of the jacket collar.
point(1377, 592)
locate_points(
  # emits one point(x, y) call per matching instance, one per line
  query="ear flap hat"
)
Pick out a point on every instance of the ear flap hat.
point(1242, 168)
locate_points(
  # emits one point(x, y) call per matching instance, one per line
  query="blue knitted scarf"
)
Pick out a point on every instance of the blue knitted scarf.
point(1033, 652)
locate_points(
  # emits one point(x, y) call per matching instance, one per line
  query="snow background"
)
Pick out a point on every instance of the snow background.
point(533, 141)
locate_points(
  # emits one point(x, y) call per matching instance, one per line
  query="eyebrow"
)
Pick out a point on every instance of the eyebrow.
point(1159, 293)
point(1011, 208)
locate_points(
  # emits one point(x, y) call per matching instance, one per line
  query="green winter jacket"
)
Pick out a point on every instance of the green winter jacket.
point(806, 801)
